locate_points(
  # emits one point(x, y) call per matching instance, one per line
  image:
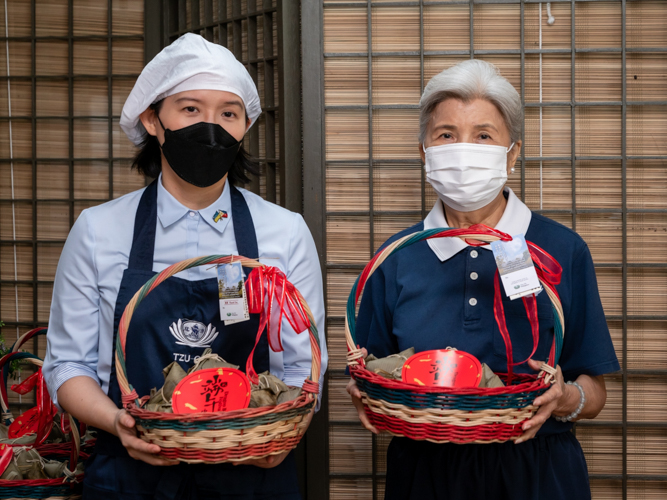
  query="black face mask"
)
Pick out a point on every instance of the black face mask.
point(200, 154)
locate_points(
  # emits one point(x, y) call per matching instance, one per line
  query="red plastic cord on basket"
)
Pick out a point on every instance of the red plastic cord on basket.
point(46, 409)
point(530, 303)
point(549, 271)
point(27, 385)
point(272, 296)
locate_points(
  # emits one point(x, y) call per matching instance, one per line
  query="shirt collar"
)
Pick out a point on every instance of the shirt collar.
point(170, 210)
point(515, 221)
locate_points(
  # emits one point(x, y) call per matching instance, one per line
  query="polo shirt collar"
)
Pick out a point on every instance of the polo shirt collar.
point(170, 210)
point(515, 221)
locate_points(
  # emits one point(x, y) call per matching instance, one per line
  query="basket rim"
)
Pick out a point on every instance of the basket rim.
point(303, 400)
point(75, 452)
point(536, 383)
point(5, 483)
point(11, 356)
point(131, 400)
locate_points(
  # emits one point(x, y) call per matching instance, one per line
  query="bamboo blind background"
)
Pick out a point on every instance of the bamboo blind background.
point(600, 168)
point(71, 65)
point(249, 29)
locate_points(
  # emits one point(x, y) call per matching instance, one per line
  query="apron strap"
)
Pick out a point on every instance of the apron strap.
point(143, 241)
point(244, 229)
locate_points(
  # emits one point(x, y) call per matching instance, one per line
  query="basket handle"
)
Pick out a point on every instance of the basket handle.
point(129, 394)
point(20, 342)
point(47, 410)
point(548, 272)
point(44, 430)
point(14, 354)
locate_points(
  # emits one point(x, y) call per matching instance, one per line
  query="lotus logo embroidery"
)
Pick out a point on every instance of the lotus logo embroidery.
point(193, 333)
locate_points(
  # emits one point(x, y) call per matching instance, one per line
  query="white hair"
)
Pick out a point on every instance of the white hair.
point(469, 80)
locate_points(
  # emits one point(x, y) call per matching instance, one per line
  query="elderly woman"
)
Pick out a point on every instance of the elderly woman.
point(439, 293)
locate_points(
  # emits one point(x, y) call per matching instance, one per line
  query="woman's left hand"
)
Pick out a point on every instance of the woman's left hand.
point(550, 401)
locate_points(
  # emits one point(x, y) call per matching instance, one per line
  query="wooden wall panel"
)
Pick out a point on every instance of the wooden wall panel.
point(64, 95)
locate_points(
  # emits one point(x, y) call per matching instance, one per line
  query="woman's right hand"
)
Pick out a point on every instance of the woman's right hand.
point(136, 447)
point(83, 398)
point(355, 394)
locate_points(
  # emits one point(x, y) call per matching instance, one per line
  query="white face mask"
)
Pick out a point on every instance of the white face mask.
point(466, 176)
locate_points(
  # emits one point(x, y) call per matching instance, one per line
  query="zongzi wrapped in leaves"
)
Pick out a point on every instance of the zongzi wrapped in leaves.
point(12, 472)
point(160, 400)
point(210, 360)
point(271, 391)
point(289, 395)
point(173, 374)
point(30, 463)
point(489, 378)
point(157, 402)
point(391, 366)
point(54, 468)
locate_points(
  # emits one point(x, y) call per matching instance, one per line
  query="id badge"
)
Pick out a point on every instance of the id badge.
point(516, 268)
point(231, 290)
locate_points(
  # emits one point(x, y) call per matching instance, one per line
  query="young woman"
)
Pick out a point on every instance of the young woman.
point(188, 111)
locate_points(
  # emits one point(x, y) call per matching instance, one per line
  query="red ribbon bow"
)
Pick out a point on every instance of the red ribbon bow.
point(46, 409)
point(272, 296)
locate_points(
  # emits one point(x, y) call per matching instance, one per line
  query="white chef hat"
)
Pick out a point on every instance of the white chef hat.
point(189, 63)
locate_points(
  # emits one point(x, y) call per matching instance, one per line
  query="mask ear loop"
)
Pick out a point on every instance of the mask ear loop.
point(158, 119)
point(508, 150)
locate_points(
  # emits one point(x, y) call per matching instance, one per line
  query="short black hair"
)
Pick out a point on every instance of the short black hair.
point(148, 160)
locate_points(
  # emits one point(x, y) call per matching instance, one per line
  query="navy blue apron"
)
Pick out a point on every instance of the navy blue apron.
point(155, 338)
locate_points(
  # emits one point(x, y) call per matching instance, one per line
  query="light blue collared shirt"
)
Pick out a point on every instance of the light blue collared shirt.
point(80, 336)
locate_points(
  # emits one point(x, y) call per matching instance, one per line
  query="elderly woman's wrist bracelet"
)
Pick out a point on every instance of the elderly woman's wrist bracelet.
point(582, 402)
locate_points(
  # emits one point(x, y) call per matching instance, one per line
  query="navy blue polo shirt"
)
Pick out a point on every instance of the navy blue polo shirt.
point(439, 293)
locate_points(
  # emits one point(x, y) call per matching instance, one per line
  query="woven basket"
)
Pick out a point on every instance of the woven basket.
point(67, 488)
point(45, 489)
point(456, 415)
point(232, 436)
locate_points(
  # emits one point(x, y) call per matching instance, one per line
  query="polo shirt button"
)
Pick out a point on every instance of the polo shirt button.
point(192, 214)
point(473, 301)
point(474, 276)
point(474, 254)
